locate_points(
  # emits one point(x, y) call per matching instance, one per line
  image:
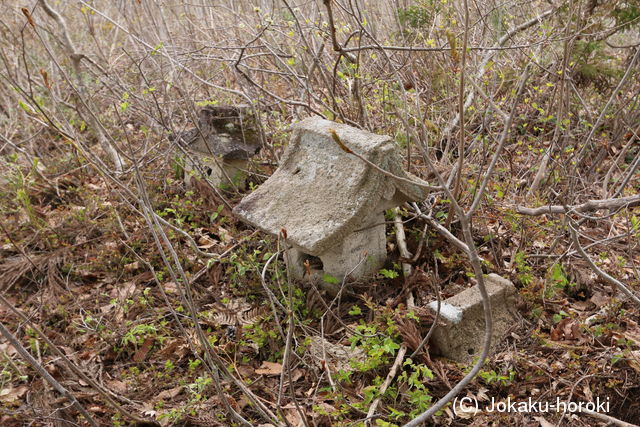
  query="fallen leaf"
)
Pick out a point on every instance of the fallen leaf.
point(269, 368)
point(117, 386)
point(170, 394)
point(132, 267)
point(634, 360)
point(225, 236)
point(566, 329)
point(7, 349)
point(206, 242)
point(123, 291)
point(543, 422)
point(12, 394)
point(482, 395)
point(599, 299)
point(296, 375)
point(245, 370)
point(171, 288)
point(141, 354)
point(293, 417)
point(586, 390)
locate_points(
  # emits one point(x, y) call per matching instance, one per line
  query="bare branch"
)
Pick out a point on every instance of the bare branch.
point(46, 375)
point(591, 205)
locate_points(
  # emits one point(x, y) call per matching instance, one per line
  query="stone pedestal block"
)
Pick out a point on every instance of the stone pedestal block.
point(461, 335)
point(362, 254)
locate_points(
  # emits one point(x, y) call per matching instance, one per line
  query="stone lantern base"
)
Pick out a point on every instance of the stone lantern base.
point(362, 253)
point(225, 174)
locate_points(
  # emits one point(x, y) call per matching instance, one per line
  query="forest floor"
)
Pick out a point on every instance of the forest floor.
point(82, 266)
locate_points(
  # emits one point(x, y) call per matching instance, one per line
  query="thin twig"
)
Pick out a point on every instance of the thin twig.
point(621, 286)
point(46, 375)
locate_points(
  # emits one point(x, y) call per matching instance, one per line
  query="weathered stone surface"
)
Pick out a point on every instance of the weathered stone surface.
point(461, 336)
point(321, 194)
point(226, 137)
point(361, 254)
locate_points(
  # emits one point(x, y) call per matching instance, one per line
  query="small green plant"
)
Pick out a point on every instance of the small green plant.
point(193, 364)
point(378, 347)
point(330, 280)
point(20, 184)
point(557, 317)
point(198, 387)
point(389, 274)
point(524, 269)
point(558, 280)
point(355, 311)
point(139, 333)
point(416, 376)
point(492, 376)
point(260, 336)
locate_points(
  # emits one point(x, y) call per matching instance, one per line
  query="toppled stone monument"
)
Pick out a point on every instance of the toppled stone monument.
point(460, 337)
point(222, 144)
point(330, 202)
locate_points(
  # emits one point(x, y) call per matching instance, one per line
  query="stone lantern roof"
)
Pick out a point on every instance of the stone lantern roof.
point(321, 194)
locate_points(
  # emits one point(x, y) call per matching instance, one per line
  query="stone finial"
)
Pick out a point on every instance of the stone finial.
point(224, 141)
point(330, 202)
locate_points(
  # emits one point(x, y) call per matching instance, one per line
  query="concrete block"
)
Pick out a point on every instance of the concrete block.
point(461, 335)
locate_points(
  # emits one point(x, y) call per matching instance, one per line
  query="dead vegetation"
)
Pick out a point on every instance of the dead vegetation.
point(142, 301)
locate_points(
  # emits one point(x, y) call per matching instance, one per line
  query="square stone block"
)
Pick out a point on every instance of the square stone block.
point(461, 336)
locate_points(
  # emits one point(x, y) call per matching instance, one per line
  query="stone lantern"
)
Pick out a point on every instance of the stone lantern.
point(222, 144)
point(330, 202)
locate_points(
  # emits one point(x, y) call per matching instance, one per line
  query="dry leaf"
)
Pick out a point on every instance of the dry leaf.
point(599, 299)
point(543, 422)
point(7, 349)
point(293, 417)
point(296, 374)
point(245, 371)
point(225, 236)
point(206, 242)
point(171, 288)
point(117, 386)
point(482, 395)
point(141, 354)
point(12, 394)
point(132, 267)
point(634, 360)
point(123, 291)
point(566, 329)
point(170, 394)
point(269, 368)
